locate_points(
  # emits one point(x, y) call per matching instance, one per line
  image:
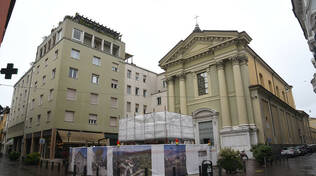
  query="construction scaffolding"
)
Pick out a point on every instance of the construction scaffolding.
point(157, 127)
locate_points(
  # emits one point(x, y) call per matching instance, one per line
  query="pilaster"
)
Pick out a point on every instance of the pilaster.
point(171, 101)
point(52, 144)
point(183, 97)
point(240, 97)
point(226, 121)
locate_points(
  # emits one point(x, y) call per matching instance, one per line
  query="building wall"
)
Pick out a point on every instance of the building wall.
point(58, 57)
point(154, 89)
point(5, 14)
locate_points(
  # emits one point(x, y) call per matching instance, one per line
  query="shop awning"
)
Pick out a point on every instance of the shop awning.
point(9, 142)
point(81, 137)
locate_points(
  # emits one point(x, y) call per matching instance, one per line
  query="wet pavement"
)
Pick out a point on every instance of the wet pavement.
point(298, 166)
point(16, 168)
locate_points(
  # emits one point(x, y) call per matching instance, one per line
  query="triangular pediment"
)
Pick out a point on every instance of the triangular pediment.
point(196, 43)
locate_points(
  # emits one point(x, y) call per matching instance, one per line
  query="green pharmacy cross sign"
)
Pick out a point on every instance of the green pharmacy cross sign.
point(9, 71)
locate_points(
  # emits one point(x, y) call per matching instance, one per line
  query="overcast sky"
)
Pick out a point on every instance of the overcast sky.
point(151, 28)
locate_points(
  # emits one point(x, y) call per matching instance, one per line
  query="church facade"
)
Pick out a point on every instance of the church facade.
point(236, 99)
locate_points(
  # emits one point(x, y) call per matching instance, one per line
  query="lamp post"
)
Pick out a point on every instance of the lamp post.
point(68, 135)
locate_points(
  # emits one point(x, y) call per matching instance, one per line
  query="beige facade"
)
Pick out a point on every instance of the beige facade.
point(145, 91)
point(217, 73)
point(74, 85)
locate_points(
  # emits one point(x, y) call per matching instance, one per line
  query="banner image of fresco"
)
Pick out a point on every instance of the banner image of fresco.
point(80, 159)
point(99, 160)
point(132, 160)
point(175, 156)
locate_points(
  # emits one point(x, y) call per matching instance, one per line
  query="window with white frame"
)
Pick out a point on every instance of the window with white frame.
point(202, 83)
point(114, 84)
point(96, 61)
point(129, 89)
point(71, 94)
point(56, 54)
point(59, 35)
point(115, 67)
point(94, 98)
point(137, 76)
point(115, 50)
point(107, 47)
point(114, 102)
point(46, 62)
point(50, 96)
point(53, 73)
point(164, 84)
point(44, 80)
point(144, 109)
point(128, 106)
point(97, 43)
point(87, 39)
point(93, 119)
point(129, 73)
point(38, 69)
point(136, 108)
point(40, 102)
point(49, 113)
point(38, 119)
point(69, 116)
point(136, 91)
point(113, 121)
point(158, 100)
point(76, 34)
point(73, 72)
point(144, 78)
point(144, 92)
point(75, 53)
point(95, 79)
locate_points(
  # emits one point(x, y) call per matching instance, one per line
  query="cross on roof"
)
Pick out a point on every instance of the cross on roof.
point(9, 71)
point(196, 20)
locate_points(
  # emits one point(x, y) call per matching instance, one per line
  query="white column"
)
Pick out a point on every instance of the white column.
point(92, 41)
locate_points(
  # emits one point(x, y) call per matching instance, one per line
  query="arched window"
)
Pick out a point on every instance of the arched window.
point(277, 91)
point(270, 86)
point(261, 79)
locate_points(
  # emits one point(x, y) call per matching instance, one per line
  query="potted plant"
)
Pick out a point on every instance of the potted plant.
point(13, 156)
point(262, 152)
point(230, 160)
point(32, 158)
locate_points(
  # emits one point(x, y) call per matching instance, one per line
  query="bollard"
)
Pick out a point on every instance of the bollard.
point(265, 162)
point(66, 168)
point(52, 167)
point(58, 167)
point(118, 171)
point(75, 170)
point(85, 170)
point(146, 172)
point(97, 171)
point(46, 164)
point(174, 171)
point(219, 171)
point(200, 170)
point(244, 163)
